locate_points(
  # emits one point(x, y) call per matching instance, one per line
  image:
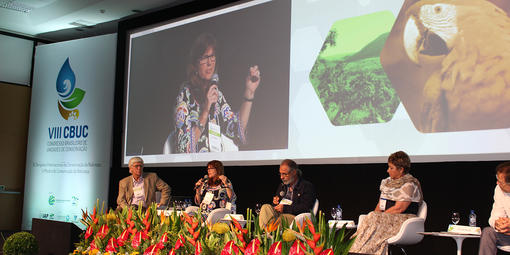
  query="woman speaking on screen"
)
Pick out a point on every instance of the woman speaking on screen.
point(204, 121)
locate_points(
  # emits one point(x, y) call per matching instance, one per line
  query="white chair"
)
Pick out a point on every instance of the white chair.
point(408, 234)
point(214, 216)
point(168, 146)
point(505, 248)
point(300, 218)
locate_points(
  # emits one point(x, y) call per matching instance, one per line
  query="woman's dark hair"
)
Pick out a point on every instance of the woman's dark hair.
point(201, 44)
point(400, 159)
point(219, 171)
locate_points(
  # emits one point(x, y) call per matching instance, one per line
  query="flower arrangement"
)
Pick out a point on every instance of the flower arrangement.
point(135, 231)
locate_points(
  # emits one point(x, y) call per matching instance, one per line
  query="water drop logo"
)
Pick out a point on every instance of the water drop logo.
point(70, 96)
point(51, 200)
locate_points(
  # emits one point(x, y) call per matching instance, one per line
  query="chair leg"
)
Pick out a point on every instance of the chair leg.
point(401, 248)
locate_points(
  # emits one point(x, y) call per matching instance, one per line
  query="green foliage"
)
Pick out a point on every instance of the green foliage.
point(21, 243)
point(330, 40)
point(355, 90)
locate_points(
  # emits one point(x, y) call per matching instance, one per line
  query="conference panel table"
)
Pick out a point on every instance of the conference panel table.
point(459, 238)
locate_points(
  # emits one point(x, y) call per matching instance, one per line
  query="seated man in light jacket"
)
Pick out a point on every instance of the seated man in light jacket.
point(141, 187)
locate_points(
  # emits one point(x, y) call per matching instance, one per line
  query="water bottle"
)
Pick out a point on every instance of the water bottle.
point(338, 212)
point(472, 219)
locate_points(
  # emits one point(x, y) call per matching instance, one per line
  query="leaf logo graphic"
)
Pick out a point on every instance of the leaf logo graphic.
point(69, 96)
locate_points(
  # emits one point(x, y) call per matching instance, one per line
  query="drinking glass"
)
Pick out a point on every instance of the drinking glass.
point(455, 218)
point(334, 213)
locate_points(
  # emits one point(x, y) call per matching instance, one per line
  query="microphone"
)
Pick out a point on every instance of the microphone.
point(215, 79)
point(204, 180)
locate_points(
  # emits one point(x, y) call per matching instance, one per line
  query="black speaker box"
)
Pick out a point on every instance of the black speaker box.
point(55, 237)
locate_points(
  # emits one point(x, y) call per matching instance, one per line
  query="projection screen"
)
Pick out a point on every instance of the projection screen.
point(321, 82)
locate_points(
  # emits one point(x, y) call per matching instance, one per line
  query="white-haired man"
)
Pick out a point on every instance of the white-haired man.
point(141, 187)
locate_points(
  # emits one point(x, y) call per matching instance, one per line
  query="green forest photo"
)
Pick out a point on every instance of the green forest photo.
point(347, 75)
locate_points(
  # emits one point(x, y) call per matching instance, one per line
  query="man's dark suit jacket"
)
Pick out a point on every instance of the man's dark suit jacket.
point(303, 198)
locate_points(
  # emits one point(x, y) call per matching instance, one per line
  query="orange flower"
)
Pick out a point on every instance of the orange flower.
point(273, 225)
point(163, 217)
point(310, 225)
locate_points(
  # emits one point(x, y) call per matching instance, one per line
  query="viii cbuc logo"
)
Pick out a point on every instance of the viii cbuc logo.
point(69, 96)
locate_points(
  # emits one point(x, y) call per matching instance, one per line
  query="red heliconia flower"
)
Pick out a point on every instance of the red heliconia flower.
point(112, 244)
point(317, 250)
point(275, 249)
point(238, 226)
point(171, 252)
point(146, 220)
point(187, 218)
point(194, 225)
point(89, 232)
point(103, 231)
point(162, 241)
point(93, 245)
point(195, 235)
point(230, 248)
point(327, 252)
point(151, 250)
point(93, 217)
point(253, 247)
point(191, 230)
point(132, 228)
point(311, 243)
point(198, 248)
point(316, 237)
point(298, 248)
point(121, 240)
point(180, 242)
point(191, 241)
point(138, 238)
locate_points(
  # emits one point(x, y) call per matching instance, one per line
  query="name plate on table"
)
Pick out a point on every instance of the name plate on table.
point(467, 230)
point(238, 217)
point(341, 223)
point(169, 212)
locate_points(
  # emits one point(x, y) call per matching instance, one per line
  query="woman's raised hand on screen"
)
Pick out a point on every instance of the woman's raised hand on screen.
point(252, 82)
point(223, 179)
point(199, 183)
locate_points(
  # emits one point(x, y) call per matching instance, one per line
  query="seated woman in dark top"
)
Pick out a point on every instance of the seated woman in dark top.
point(400, 199)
